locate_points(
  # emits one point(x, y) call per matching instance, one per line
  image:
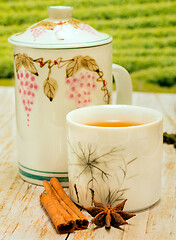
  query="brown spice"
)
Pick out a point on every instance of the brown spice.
point(108, 216)
point(60, 218)
point(64, 214)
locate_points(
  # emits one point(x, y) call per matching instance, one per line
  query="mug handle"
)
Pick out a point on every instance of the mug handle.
point(123, 85)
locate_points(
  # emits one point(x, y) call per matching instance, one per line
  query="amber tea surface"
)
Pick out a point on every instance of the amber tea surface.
point(113, 123)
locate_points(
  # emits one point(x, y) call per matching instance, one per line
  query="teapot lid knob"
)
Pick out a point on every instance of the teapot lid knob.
point(60, 12)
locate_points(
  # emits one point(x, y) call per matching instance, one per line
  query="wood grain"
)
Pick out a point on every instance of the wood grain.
point(22, 216)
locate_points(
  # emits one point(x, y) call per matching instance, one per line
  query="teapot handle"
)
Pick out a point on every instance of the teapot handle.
point(123, 85)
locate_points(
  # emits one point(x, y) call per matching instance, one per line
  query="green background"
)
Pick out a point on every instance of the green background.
point(143, 31)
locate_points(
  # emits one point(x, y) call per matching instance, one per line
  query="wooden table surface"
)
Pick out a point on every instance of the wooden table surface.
point(21, 216)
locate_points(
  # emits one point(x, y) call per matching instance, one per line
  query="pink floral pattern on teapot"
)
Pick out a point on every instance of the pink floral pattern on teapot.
point(80, 88)
point(82, 77)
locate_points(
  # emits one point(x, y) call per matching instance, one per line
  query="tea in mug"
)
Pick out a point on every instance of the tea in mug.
point(113, 123)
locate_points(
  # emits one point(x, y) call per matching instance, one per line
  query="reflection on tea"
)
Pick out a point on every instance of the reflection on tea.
point(113, 123)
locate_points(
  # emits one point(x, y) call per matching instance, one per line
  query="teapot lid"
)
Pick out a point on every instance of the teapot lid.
point(60, 30)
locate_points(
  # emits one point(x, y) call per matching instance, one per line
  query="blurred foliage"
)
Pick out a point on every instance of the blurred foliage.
point(143, 31)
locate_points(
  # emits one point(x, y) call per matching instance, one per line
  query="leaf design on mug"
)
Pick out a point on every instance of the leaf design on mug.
point(89, 64)
point(74, 22)
point(18, 62)
point(27, 62)
point(50, 87)
point(73, 66)
point(29, 65)
point(45, 24)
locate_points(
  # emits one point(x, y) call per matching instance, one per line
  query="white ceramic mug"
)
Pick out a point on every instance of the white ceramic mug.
point(115, 163)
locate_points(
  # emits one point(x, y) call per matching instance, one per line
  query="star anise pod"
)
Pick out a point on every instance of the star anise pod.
point(108, 216)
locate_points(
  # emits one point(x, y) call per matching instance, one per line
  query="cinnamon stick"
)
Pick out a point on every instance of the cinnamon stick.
point(78, 216)
point(60, 218)
point(62, 211)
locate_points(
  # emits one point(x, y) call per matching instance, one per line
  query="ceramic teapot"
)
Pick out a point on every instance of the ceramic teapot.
point(60, 64)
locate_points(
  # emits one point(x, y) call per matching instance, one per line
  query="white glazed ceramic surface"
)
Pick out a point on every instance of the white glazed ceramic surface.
point(41, 122)
point(60, 30)
point(52, 77)
point(107, 163)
